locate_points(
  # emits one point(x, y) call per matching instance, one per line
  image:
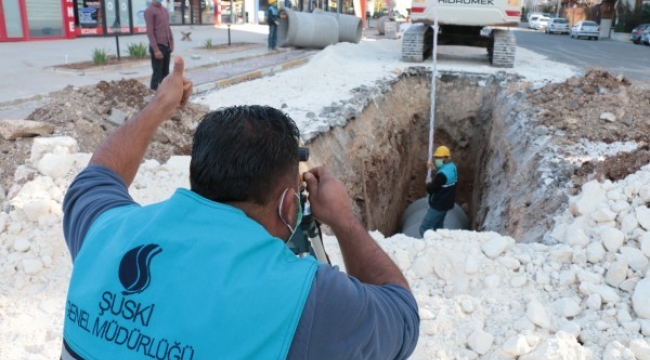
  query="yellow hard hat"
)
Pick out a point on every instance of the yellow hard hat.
point(442, 151)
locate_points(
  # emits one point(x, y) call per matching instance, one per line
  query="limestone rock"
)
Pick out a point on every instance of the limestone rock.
point(635, 258)
point(32, 266)
point(587, 202)
point(537, 314)
point(14, 129)
point(480, 341)
point(617, 273)
point(612, 238)
point(643, 216)
point(608, 116)
point(616, 351)
point(567, 307)
point(595, 252)
point(495, 247)
point(562, 346)
point(640, 298)
point(603, 215)
point(640, 348)
point(594, 302)
point(516, 346)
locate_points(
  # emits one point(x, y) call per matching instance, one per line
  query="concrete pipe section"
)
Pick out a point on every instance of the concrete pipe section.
point(350, 29)
point(456, 218)
point(307, 30)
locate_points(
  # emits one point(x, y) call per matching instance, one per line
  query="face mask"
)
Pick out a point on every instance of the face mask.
point(298, 215)
point(439, 163)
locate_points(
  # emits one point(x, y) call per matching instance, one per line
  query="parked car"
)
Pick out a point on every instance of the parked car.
point(645, 36)
point(635, 35)
point(557, 26)
point(587, 28)
point(538, 23)
point(532, 20)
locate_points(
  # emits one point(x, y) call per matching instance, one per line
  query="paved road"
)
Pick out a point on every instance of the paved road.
point(615, 56)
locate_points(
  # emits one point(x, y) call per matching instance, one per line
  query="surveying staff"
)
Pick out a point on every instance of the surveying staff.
point(442, 190)
point(161, 41)
point(206, 274)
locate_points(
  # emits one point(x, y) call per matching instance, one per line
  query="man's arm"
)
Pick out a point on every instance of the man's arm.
point(437, 183)
point(363, 257)
point(123, 150)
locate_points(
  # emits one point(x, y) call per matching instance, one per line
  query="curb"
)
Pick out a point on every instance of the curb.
point(256, 74)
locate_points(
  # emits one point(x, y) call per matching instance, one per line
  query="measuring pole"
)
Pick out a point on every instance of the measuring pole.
point(434, 76)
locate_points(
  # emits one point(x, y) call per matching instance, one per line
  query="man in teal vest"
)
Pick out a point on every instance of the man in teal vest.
point(441, 190)
point(206, 274)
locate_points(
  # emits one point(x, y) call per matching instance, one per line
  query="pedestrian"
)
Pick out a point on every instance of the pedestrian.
point(272, 20)
point(161, 41)
point(206, 274)
point(441, 190)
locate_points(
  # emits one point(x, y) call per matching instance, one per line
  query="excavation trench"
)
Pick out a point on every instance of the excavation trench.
point(381, 154)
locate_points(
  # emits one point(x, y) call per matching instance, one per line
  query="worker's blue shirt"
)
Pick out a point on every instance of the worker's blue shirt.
point(442, 190)
point(299, 310)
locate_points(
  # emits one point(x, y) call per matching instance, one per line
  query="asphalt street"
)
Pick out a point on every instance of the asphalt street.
point(615, 56)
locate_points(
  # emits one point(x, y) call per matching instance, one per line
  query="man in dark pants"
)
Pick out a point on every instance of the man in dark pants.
point(161, 42)
point(442, 190)
point(272, 19)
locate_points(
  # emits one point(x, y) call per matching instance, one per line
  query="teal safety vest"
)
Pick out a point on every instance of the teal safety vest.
point(187, 278)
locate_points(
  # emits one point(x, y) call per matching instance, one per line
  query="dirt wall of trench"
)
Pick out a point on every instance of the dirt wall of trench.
point(381, 154)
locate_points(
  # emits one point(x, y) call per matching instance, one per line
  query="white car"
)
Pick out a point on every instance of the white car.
point(558, 26)
point(538, 22)
point(587, 28)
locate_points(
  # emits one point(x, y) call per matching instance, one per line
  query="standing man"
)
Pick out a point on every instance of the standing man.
point(272, 20)
point(206, 274)
point(161, 41)
point(442, 190)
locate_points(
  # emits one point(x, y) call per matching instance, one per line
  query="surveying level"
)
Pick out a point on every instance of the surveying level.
point(308, 239)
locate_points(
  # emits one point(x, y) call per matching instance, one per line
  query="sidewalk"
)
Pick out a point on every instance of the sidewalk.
point(27, 69)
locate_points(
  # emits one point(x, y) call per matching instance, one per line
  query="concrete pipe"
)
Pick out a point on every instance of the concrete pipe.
point(456, 218)
point(350, 29)
point(307, 30)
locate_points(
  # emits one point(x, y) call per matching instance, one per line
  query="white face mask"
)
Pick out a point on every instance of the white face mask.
point(298, 215)
point(439, 163)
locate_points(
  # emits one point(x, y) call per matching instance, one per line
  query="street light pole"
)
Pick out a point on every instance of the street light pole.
point(557, 12)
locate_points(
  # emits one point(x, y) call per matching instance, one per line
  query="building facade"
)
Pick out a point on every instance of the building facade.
point(24, 20)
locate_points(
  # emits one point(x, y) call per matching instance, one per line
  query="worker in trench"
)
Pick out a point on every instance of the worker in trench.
point(206, 274)
point(441, 190)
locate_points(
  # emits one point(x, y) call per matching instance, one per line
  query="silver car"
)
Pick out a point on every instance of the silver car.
point(557, 26)
point(587, 28)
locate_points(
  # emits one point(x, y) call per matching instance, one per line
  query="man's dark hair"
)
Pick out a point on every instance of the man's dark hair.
point(241, 153)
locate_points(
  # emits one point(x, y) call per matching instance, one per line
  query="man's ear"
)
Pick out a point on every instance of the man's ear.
point(288, 206)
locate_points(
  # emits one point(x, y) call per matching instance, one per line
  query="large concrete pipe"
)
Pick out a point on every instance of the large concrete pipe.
point(350, 29)
point(307, 30)
point(456, 218)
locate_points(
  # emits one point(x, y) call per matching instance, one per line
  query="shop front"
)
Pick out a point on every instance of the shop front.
point(22, 20)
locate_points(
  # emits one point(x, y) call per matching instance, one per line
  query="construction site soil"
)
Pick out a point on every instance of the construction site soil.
point(578, 108)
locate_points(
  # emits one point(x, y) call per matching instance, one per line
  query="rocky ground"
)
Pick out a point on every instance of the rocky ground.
point(90, 113)
point(598, 107)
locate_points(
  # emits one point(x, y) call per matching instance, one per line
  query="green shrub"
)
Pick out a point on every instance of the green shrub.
point(208, 44)
point(100, 57)
point(138, 51)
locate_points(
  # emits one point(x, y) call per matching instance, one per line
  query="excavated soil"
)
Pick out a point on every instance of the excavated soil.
point(90, 113)
point(598, 107)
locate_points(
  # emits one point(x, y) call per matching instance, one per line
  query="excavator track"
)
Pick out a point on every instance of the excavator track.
point(417, 43)
point(502, 48)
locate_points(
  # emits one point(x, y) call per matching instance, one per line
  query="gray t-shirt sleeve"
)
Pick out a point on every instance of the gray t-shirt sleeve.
point(346, 319)
point(95, 190)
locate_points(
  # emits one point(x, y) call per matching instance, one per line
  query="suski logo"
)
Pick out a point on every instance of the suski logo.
point(134, 268)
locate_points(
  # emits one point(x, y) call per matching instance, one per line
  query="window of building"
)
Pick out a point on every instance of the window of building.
point(44, 18)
